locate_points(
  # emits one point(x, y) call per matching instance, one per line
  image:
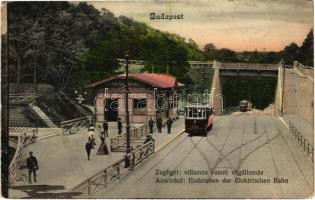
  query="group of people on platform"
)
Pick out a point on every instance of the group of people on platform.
point(159, 124)
point(103, 150)
point(91, 143)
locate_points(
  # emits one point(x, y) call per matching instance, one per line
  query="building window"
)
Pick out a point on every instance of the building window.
point(139, 106)
point(139, 103)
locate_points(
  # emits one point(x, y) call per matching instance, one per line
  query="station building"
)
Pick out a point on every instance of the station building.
point(150, 95)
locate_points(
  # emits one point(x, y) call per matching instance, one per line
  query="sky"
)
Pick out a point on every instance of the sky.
point(241, 25)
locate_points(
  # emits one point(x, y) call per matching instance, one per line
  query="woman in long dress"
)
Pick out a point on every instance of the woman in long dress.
point(102, 150)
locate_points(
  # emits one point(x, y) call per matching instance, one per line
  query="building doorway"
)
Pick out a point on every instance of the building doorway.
point(111, 110)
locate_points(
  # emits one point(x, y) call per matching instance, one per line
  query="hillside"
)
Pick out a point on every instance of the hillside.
point(23, 116)
point(82, 44)
point(58, 107)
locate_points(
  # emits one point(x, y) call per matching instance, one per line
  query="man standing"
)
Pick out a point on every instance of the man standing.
point(88, 147)
point(32, 166)
point(119, 124)
point(151, 124)
point(159, 124)
point(169, 125)
point(105, 128)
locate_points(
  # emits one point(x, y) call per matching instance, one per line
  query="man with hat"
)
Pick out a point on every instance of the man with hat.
point(32, 166)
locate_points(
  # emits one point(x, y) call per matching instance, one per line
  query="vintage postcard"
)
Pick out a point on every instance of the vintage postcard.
point(157, 99)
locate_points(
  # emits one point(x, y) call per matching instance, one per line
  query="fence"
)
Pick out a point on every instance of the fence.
point(22, 98)
point(249, 66)
point(308, 71)
point(118, 144)
point(115, 171)
point(74, 125)
point(303, 143)
point(15, 168)
point(27, 130)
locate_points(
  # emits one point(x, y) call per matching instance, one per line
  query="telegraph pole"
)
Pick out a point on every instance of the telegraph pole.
point(202, 80)
point(34, 71)
point(128, 149)
point(126, 61)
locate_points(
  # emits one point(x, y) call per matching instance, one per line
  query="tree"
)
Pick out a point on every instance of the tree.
point(307, 50)
point(226, 55)
point(71, 44)
point(210, 51)
point(290, 53)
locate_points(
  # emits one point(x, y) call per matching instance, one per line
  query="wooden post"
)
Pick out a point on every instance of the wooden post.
point(141, 130)
point(133, 161)
point(118, 170)
point(89, 188)
point(105, 178)
point(308, 149)
point(304, 145)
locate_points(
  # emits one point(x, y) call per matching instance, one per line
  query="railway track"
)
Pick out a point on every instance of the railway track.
point(176, 147)
point(234, 144)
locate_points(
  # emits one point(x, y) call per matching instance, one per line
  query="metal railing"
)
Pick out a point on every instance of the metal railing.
point(249, 66)
point(18, 130)
point(118, 143)
point(15, 171)
point(22, 98)
point(74, 125)
point(115, 171)
point(302, 142)
point(308, 71)
point(141, 153)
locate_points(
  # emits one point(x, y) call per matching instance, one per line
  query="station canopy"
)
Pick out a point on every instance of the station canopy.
point(155, 80)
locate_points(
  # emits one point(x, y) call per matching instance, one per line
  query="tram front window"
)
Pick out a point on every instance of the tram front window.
point(195, 113)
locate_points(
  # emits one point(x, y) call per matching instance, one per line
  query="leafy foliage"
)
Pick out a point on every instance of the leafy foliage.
point(292, 52)
point(307, 50)
point(71, 44)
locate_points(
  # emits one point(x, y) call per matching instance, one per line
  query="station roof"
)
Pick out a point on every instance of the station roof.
point(155, 80)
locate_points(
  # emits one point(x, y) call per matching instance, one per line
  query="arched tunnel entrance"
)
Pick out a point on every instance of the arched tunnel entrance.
point(260, 90)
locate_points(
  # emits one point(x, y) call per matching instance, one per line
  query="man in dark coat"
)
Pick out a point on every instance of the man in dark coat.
point(32, 166)
point(88, 147)
point(169, 123)
point(159, 124)
point(105, 128)
point(119, 125)
point(149, 138)
point(151, 124)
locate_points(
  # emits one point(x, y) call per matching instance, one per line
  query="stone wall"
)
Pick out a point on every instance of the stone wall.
point(305, 97)
point(298, 97)
point(216, 92)
point(278, 94)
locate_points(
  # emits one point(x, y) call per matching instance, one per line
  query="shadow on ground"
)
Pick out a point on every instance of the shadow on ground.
point(45, 191)
point(199, 134)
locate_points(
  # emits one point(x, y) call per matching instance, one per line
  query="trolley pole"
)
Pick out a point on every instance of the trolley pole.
point(128, 149)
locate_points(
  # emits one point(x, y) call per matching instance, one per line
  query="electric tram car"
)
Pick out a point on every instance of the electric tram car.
point(198, 119)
